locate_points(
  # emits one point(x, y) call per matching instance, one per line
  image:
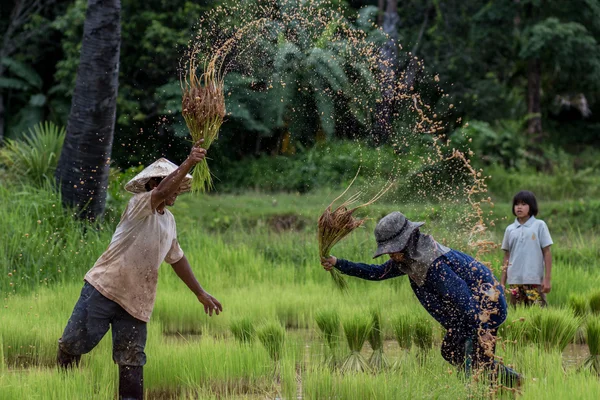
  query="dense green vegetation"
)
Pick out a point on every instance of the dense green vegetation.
point(282, 156)
point(477, 53)
point(258, 254)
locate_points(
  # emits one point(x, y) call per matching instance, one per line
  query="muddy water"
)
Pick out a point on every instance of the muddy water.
point(574, 355)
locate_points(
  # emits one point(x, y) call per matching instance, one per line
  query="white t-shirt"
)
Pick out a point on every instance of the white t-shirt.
point(525, 243)
point(127, 272)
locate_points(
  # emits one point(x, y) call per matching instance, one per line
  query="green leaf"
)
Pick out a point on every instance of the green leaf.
point(23, 71)
point(13, 83)
point(37, 100)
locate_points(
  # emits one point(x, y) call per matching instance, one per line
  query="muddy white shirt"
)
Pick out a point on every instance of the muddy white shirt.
point(525, 243)
point(127, 272)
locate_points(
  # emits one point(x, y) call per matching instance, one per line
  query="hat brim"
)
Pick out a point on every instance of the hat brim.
point(139, 185)
point(398, 243)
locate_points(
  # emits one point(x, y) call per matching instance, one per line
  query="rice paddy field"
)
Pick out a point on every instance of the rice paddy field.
point(286, 332)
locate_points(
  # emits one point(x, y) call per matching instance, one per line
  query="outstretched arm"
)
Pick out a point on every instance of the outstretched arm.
point(171, 183)
point(184, 272)
point(371, 272)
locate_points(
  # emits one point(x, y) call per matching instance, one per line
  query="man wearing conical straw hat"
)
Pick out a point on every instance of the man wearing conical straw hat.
point(120, 289)
point(456, 290)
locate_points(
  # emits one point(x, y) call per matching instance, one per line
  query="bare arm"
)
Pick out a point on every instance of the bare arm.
point(546, 283)
point(184, 271)
point(505, 268)
point(171, 183)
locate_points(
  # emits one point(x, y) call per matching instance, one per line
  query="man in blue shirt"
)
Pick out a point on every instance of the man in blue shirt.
point(457, 290)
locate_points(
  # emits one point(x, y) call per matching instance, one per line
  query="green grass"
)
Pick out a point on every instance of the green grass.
point(265, 271)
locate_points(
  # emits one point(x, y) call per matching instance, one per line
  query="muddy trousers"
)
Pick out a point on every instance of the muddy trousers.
point(92, 316)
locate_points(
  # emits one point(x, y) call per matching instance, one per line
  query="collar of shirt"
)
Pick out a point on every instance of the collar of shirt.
point(527, 223)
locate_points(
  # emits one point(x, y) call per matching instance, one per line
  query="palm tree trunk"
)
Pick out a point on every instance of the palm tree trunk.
point(83, 168)
point(534, 108)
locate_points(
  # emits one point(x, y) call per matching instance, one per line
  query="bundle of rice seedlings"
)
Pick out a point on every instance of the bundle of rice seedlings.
point(272, 337)
point(554, 328)
point(595, 303)
point(423, 334)
point(243, 330)
point(403, 330)
point(378, 361)
point(423, 338)
point(203, 108)
point(328, 322)
point(593, 341)
point(335, 225)
point(579, 306)
point(357, 330)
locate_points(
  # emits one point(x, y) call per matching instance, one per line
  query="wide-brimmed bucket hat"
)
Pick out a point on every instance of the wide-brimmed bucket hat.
point(160, 168)
point(393, 232)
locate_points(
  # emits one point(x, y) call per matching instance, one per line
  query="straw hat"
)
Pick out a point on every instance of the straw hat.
point(393, 232)
point(160, 168)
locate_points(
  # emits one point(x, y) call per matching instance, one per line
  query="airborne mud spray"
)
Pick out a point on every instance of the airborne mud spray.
point(298, 59)
point(314, 74)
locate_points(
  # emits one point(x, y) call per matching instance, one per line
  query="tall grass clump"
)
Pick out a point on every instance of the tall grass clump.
point(335, 225)
point(356, 329)
point(328, 322)
point(579, 305)
point(593, 342)
point(554, 328)
point(272, 337)
point(203, 108)
point(403, 330)
point(243, 330)
point(423, 334)
point(595, 303)
point(378, 361)
point(41, 243)
point(35, 156)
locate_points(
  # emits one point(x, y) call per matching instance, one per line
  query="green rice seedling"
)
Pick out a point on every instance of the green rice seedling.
point(595, 303)
point(423, 337)
point(554, 328)
point(579, 305)
point(593, 342)
point(2, 364)
point(517, 327)
point(243, 330)
point(328, 322)
point(403, 330)
point(272, 337)
point(423, 334)
point(378, 360)
point(356, 329)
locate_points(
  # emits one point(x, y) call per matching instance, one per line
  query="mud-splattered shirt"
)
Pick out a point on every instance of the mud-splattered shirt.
point(459, 292)
point(127, 272)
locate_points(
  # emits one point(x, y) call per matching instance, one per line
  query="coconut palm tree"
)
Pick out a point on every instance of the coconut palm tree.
point(83, 168)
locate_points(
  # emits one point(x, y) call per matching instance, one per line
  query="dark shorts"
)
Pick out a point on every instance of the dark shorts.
point(91, 318)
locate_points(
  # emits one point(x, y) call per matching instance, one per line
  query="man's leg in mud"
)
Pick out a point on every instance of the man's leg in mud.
point(129, 340)
point(88, 324)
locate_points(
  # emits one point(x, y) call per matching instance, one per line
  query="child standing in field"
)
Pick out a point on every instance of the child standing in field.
point(527, 265)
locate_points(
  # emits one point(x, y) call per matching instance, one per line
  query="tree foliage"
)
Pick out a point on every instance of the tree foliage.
point(476, 51)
